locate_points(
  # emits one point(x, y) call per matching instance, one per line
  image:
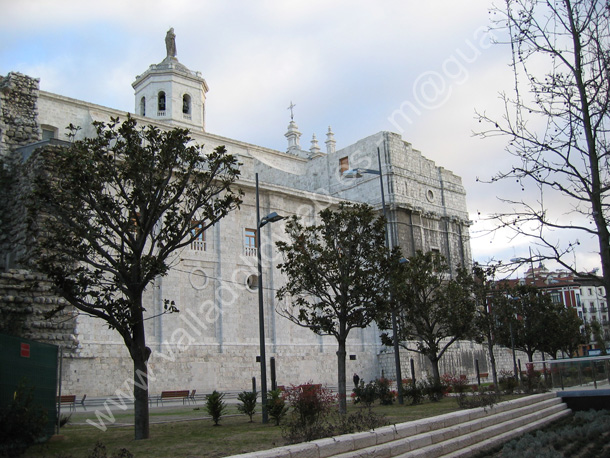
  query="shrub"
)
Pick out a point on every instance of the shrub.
point(433, 390)
point(454, 383)
point(367, 394)
point(215, 406)
point(22, 422)
point(483, 398)
point(64, 420)
point(584, 434)
point(385, 395)
point(99, 451)
point(533, 381)
point(311, 406)
point(362, 420)
point(294, 432)
point(276, 406)
point(248, 403)
point(310, 402)
point(313, 417)
point(507, 382)
point(413, 392)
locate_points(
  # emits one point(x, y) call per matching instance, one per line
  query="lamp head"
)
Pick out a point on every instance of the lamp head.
point(352, 173)
point(270, 218)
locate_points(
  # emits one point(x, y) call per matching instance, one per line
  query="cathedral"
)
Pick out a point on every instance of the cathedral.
point(213, 342)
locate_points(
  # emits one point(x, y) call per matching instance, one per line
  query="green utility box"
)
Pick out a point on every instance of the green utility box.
point(35, 364)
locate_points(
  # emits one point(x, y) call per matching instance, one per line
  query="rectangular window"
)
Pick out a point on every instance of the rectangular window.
point(48, 133)
point(198, 243)
point(250, 242)
point(343, 164)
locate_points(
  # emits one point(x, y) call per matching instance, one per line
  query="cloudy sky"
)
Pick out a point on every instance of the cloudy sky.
point(350, 64)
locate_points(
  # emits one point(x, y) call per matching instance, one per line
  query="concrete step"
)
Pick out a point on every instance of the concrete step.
point(507, 436)
point(495, 434)
point(458, 434)
point(459, 430)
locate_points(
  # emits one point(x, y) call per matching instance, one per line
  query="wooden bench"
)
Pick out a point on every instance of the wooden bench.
point(178, 394)
point(68, 399)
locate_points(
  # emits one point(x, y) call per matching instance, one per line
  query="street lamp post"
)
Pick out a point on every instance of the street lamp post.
point(357, 173)
point(270, 218)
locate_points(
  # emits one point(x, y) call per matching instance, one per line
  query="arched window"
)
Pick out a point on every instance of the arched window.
point(161, 101)
point(143, 106)
point(186, 104)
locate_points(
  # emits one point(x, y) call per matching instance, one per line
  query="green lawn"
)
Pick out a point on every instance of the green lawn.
point(197, 437)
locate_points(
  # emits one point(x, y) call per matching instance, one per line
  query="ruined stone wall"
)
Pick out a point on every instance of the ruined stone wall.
point(18, 127)
point(18, 112)
point(25, 300)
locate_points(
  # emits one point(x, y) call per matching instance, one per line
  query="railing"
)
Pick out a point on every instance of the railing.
point(186, 116)
point(591, 372)
point(161, 113)
point(250, 251)
point(198, 245)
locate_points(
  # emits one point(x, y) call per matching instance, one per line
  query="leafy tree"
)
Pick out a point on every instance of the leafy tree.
point(247, 404)
point(109, 213)
point(564, 332)
point(276, 405)
point(433, 310)
point(215, 406)
point(598, 336)
point(526, 316)
point(558, 128)
point(335, 275)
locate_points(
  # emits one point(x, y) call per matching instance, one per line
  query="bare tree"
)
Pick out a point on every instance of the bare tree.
point(557, 123)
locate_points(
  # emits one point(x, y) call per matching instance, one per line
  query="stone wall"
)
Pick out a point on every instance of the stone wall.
point(26, 300)
point(18, 112)
point(459, 359)
point(18, 127)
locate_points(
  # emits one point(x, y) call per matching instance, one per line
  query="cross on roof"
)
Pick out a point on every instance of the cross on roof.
point(292, 105)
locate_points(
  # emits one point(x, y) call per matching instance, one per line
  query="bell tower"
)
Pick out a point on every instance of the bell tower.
point(170, 92)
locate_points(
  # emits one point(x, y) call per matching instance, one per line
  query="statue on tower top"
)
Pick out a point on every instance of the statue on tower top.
point(170, 43)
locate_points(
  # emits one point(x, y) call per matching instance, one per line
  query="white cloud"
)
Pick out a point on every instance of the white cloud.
point(346, 63)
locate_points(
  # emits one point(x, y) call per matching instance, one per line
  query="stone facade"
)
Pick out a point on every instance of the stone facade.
point(214, 340)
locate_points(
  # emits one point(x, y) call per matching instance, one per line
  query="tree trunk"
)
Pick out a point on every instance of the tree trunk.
point(140, 354)
point(436, 374)
point(492, 362)
point(341, 377)
point(140, 389)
